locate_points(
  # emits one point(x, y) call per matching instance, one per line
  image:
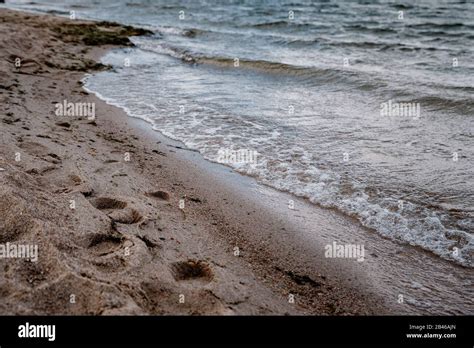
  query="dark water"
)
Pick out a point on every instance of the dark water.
point(306, 94)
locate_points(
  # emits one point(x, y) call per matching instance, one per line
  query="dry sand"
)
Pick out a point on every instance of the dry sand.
point(127, 247)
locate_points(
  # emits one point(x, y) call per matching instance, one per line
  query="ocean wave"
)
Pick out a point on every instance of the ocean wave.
point(281, 24)
point(415, 225)
point(460, 106)
point(312, 75)
point(367, 28)
point(447, 26)
point(382, 46)
point(58, 12)
point(263, 66)
point(167, 30)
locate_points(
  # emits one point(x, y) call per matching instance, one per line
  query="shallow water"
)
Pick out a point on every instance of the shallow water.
point(306, 95)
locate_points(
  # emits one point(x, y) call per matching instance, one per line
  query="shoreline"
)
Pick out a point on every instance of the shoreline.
point(280, 253)
point(389, 269)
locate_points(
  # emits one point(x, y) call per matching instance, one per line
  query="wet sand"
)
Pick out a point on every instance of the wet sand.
point(103, 200)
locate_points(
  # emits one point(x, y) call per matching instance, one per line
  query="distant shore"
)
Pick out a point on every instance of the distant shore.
point(127, 221)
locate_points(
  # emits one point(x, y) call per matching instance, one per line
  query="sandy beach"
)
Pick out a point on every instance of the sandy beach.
point(127, 221)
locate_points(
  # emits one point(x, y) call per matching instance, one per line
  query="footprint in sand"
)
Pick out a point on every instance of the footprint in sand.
point(117, 210)
point(15, 219)
point(104, 244)
point(43, 152)
point(163, 195)
point(127, 216)
point(106, 251)
point(66, 125)
point(105, 203)
point(191, 270)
